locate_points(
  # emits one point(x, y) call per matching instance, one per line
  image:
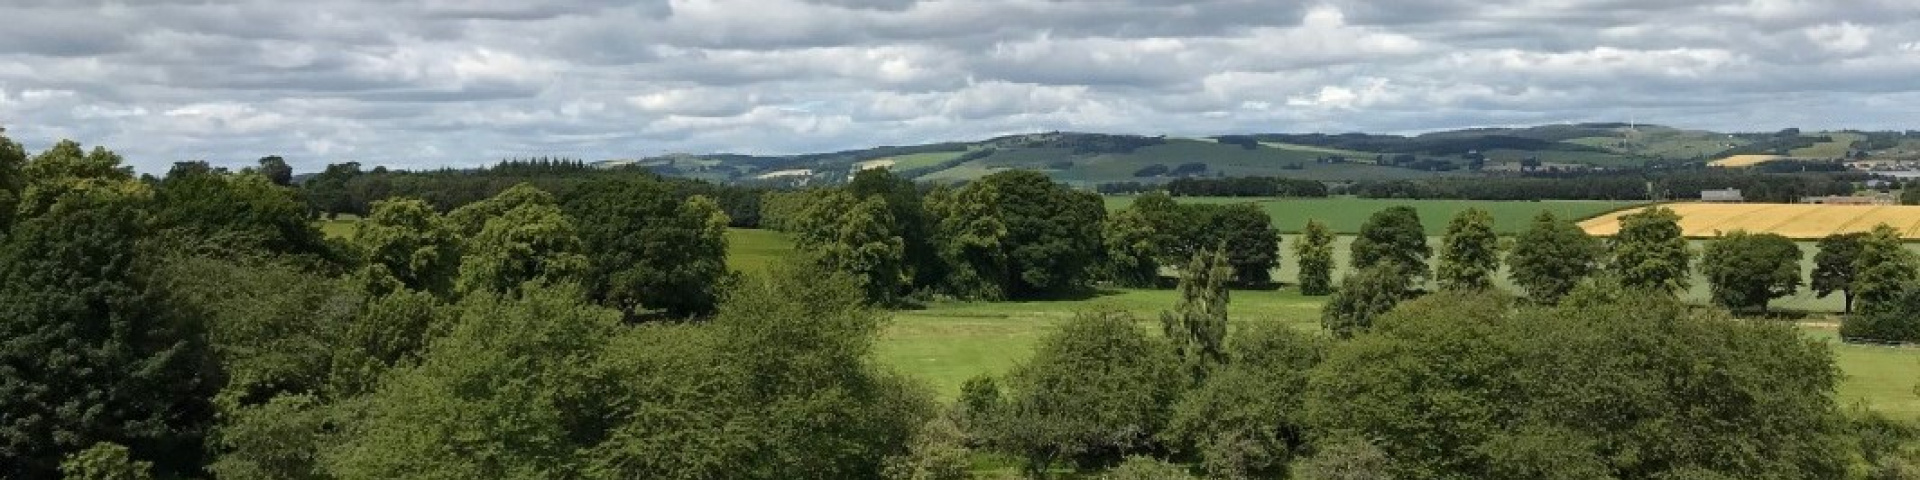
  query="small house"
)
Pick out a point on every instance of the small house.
point(1731, 195)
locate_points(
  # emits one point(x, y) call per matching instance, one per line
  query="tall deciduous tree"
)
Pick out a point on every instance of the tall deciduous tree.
point(13, 158)
point(65, 167)
point(1470, 252)
point(91, 352)
point(1552, 257)
point(1315, 251)
point(1017, 234)
point(405, 244)
point(1884, 268)
point(529, 241)
point(276, 170)
point(1246, 233)
point(1130, 257)
point(649, 247)
point(907, 206)
point(860, 238)
point(1833, 266)
point(1197, 327)
point(1393, 237)
point(1247, 420)
point(200, 209)
point(1747, 270)
point(1650, 253)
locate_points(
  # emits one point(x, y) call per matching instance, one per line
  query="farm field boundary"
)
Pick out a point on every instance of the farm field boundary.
point(1797, 221)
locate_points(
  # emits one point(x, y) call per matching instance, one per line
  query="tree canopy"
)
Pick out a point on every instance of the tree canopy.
point(1551, 257)
point(1650, 253)
point(1747, 270)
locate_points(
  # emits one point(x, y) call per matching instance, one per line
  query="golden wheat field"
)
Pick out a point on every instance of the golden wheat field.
point(1799, 221)
point(1743, 160)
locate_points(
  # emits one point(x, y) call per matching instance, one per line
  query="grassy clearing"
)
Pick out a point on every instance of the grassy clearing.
point(753, 251)
point(1346, 214)
point(1838, 148)
point(338, 227)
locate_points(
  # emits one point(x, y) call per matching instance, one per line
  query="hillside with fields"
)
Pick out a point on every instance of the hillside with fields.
point(1091, 159)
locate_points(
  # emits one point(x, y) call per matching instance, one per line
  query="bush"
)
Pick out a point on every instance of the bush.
point(1897, 321)
point(1147, 468)
point(1097, 389)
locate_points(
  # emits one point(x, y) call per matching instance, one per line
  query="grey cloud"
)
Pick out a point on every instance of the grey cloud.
point(454, 83)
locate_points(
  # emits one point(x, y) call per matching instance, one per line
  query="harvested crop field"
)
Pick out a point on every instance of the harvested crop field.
point(1737, 161)
point(1800, 221)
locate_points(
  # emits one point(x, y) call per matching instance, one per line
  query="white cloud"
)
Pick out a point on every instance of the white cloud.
point(1841, 38)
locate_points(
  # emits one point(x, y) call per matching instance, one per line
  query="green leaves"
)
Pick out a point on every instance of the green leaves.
point(1649, 252)
point(1393, 237)
point(1552, 257)
point(650, 248)
point(1746, 270)
point(1095, 390)
point(1469, 253)
point(1315, 251)
point(1017, 234)
point(1884, 269)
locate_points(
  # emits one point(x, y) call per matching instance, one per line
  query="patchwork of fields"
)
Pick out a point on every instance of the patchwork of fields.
point(1345, 215)
point(1799, 221)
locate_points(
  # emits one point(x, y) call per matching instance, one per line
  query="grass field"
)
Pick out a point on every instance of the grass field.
point(1800, 221)
point(945, 343)
point(338, 227)
point(1345, 215)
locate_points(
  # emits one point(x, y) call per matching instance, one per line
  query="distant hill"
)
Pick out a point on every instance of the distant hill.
point(1089, 159)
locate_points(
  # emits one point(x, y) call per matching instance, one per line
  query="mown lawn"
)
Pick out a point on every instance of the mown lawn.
point(1346, 214)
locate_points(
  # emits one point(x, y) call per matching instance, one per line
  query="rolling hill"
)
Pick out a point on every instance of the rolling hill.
point(1090, 159)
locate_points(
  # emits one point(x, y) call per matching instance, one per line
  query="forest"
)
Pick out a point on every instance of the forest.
point(547, 320)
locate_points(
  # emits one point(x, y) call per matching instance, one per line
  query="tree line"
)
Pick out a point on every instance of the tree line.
point(199, 324)
point(347, 188)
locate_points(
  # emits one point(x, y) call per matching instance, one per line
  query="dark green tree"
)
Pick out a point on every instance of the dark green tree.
point(13, 158)
point(1609, 384)
point(1896, 320)
point(1018, 234)
point(1096, 390)
point(907, 206)
point(1251, 244)
point(1315, 251)
point(202, 210)
point(1469, 252)
point(1197, 328)
point(1552, 257)
point(1747, 270)
point(861, 239)
point(1393, 237)
point(1363, 296)
point(276, 170)
point(1884, 268)
point(649, 247)
point(1650, 253)
point(92, 352)
point(1833, 266)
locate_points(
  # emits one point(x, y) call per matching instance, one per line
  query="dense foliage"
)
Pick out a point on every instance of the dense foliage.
point(1469, 252)
point(1551, 257)
point(1315, 253)
point(1649, 252)
point(1746, 270)
point(1393, 238)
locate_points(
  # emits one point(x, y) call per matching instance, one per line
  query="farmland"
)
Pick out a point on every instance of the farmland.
point(1798, 221)
point(1738, 161)
point(1345, 215)
point(947, 342)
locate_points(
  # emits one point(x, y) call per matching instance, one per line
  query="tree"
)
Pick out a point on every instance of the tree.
point(1552, 257)
point(92, 352)
point(1251, 244)
point(1146, 468)
point(1245, 421)
point(1198, 327)
point(1608, 384)
point(1316, 259)
point(13, 158)
point(405, 244)
point(906, 205)
point(1833, 267)
point(649, 247)
point(508, 393)
point(1130, 254)
point(66, 167)
point(276, 170)
point(532, 241)
point(1362, 296)
point(1895, 320)
point(1393, 237)
point(860, 238)
point(202, 210)
point(1746, 270)
point(1650, 253)
point(105, 461)
point(1470, 252)
point(1884, 268)
point(1096, 390)
point(1017, 234)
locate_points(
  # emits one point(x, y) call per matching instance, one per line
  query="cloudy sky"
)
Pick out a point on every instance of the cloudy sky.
point(426, 83)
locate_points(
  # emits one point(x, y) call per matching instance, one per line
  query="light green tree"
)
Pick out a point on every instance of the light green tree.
point(1393, 237)
point(105, 461)
point(1362, 296)
point(405, 244)
point(1097, 389)
point(1469, 252)
point(522, 237)
point(1197, 327)
point(860, 238)
point(1130, 255)
point(1315, 251)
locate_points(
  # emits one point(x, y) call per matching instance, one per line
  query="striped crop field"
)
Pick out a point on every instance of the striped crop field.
point(1799, 221)
point(1737, 161)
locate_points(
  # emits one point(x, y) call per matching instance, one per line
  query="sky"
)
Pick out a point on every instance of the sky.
point(433, 83)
